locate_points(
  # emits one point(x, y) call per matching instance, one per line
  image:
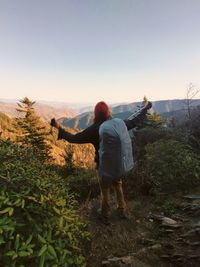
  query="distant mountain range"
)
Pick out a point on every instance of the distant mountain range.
point(82, 116)
point(166, 107)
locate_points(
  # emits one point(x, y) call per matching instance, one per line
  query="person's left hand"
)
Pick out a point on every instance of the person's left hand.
point(54, 123)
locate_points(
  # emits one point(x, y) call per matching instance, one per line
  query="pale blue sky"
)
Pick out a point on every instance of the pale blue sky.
point(88, 50)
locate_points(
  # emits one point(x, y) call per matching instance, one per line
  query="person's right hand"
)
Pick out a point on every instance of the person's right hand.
point(54, 123)
point(148, 105)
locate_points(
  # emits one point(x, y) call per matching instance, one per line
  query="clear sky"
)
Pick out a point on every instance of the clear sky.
point(89, 50)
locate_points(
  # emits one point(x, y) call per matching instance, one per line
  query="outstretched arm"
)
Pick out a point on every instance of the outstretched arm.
point(133, 122)
point(79, 138)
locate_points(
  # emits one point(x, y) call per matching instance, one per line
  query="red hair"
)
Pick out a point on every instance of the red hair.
point(101, 112)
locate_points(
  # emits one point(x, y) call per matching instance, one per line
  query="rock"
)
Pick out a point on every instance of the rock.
point(165, 256)
point(196, 202)
point(177, 255)
point(178, 217)
point(185, 220)
point(186, 207)
point(196, 225)
point(194, 243)
point(171, 225)
point(115, 259)
point(163, 219)
point(179, 240)
point(192, 197)
point(169, 231)
point(127, 260)
point(145, 251)
point(153, 217)
point(168, 221)
point(192, 208)
point(193, 256)
point(105, 263)
point(156, 247)
point(195, 207)
point(189, 233)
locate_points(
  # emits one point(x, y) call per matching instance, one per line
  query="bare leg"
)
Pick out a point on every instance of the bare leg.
point(120, 198)
point(105, 194)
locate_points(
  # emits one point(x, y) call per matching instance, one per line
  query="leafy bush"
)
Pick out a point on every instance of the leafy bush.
point(146, 136)
point(38, 222)
point(170, 165)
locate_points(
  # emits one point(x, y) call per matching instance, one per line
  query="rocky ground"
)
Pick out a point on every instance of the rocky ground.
point(150, 236)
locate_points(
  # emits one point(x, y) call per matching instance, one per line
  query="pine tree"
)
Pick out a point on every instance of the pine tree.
point(33, 131)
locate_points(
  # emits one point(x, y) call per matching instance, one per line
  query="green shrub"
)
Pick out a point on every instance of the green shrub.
point(170, 165)
point(38, 222)
point(149, 135)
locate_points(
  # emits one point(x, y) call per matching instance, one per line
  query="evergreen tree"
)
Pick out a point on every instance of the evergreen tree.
point(33, 131)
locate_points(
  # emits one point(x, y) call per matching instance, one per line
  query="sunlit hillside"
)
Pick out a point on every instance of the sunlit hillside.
point(45, 111)
point(82, 154)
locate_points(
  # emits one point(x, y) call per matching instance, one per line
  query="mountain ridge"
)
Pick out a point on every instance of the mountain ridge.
point(124, 111)
point(83, 116)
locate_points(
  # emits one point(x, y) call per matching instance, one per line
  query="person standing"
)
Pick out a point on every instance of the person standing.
point(102, 113)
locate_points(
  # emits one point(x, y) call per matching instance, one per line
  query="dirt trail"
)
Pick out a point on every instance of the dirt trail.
point(146, 239)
